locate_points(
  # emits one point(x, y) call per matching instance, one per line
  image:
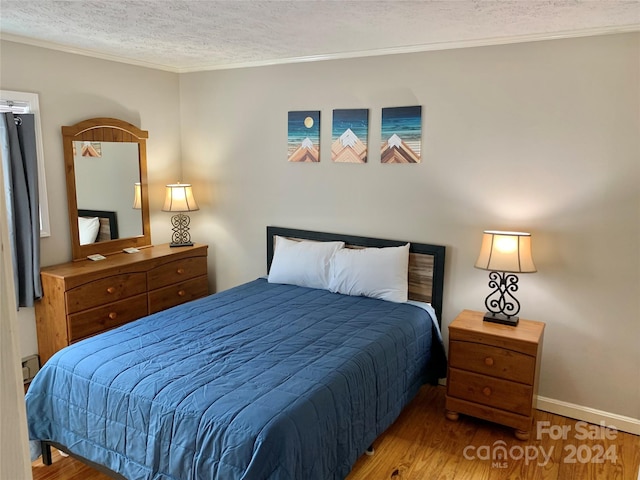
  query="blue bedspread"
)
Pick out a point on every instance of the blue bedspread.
point(261, 381)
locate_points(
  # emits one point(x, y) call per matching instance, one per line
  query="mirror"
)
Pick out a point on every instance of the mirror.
point(106, 174)
point(105, 160)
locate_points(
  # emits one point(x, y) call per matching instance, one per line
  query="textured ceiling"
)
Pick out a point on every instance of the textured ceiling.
point(183, 35)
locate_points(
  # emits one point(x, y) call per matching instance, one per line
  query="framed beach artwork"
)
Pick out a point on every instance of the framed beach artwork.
point(401, 135)
point(350, 133)
point(89, 149)
point(304, 136)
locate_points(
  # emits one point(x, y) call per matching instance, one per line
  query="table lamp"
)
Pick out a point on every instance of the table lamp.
point(179, 198)
point(137, 196)
point(504, 254)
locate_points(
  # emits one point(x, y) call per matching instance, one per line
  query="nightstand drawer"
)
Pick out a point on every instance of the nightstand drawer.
point(177, 271)
point(502, 394)
point(105, 290)
point(173, 295)
point(494, 361)
point(97, 320)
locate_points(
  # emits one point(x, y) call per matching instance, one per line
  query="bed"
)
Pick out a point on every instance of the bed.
point(97, 226)
point(265, 380)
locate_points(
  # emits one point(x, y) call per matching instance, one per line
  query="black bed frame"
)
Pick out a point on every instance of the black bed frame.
point(437, 251)
point(109, 215)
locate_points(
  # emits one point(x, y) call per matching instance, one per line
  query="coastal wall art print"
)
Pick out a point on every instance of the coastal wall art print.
point(89, 149)
point(304, 136)
point(401, 135)
point(350, 133)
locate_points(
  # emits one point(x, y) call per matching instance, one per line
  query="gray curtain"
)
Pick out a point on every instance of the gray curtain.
point(20, 166)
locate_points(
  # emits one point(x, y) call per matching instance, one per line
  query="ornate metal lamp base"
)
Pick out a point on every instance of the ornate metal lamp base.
point(189, 244)
point(181, 236)
point(502, 305)
point(500, 318)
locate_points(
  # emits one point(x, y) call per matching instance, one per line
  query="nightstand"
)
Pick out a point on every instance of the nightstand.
point(493, 370)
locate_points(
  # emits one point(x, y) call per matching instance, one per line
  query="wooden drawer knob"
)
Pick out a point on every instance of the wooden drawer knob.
point(180, 271)
point(111, 289)
point(488, 362)
point(486, 391)
point(181, 293)
point(113, 315)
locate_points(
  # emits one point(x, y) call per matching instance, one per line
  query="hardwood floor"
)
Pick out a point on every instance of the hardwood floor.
point(423, 445)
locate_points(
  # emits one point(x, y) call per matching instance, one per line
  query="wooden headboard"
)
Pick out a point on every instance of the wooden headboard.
point(426, 262)
point(108, 223)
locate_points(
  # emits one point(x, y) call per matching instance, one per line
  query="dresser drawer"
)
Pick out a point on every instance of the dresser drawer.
point(503, 394)
point(494, 361)
point(177, 271)
point(97, 320)
point(84, 298)
point(105, 290)
point(173, 295)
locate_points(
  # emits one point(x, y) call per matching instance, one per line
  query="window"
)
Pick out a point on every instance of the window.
point(23, 102)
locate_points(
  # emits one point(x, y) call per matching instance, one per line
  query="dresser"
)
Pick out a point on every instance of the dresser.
point(493, 370)
point(84, 298)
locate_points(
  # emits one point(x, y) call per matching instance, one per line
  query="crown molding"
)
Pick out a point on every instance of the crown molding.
point(484, 42)
point(85, 52)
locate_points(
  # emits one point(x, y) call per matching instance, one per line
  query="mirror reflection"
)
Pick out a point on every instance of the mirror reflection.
point(105, 175)
point(104, 159)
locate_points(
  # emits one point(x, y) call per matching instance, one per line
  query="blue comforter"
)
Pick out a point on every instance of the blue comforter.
point(261, 381)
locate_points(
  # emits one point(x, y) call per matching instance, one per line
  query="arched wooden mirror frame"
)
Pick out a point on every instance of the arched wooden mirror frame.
point(105, 130)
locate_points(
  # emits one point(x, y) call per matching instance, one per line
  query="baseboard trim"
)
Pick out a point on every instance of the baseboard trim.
point(590, 415)
point(586, 414)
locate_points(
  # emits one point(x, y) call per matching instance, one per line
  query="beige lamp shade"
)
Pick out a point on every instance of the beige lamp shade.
point(137, 196)
point(179, 198)
point(506, 252)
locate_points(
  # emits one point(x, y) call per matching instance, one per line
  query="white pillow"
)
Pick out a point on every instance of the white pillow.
point(88, 229)
point(302, 263)
point(372, 272)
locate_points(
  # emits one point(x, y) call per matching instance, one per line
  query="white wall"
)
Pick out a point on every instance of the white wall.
point(541, 137)
point(14, 454)
point(73, 88)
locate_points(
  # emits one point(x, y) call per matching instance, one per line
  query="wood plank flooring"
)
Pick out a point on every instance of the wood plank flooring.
point(423, 445)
